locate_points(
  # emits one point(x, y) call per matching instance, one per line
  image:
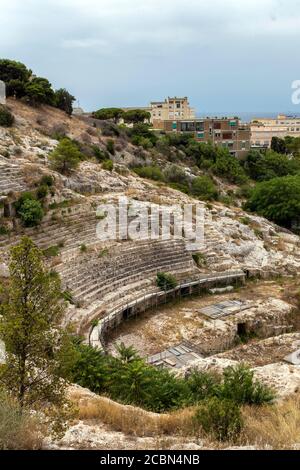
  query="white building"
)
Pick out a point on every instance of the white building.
point(2, 92)
point(263, 129)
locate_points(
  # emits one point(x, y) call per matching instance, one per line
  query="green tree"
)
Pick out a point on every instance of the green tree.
point(15, 75)
point(278, 145)
point(105, 114)
point(277, 200)
point(228, 167)
point(36, 345)
point(265, 166)
point(135, 116)
point(64, 100)
point(39, 91)
point(66, 156)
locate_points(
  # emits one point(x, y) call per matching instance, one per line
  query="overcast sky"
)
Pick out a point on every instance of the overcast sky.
point(226, 55)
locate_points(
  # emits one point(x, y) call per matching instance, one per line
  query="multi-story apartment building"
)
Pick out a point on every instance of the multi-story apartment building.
point(224, 132)
point(263, 129)
point(172, 108)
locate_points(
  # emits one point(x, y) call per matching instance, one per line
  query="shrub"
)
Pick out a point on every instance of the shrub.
point(150, 172)
point(175, 174)
point(110, 146)
point(199, 259)
point(47, 180)
point(166, 281)
point(204, 188)
point(108, 165)
point(220, 418)
point(83, 248)
point(3, 230)
point(51, 251)
point(202, 385)
point(42, 192)
point(31, 213)
point(239, 386)
point(99, 154)
point(6, 117)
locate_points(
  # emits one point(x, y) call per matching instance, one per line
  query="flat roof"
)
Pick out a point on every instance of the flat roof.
point(174, 357)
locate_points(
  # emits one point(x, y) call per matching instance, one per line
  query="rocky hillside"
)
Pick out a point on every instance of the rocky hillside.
point(108, 280)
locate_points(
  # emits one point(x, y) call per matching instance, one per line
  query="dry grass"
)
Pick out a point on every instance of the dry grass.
point(19, 431)
point(132, 420)
point(276, 426)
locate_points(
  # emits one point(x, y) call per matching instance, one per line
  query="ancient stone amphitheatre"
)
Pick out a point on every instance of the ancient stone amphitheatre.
point(236, 297)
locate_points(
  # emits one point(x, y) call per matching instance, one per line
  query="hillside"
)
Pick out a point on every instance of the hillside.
point(242, 258)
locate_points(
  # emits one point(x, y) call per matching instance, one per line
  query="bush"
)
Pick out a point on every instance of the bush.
point(47, 180)
point(204, 188)
point(99, 154)
point(110, 146)
point(220, 418)
point(166, 281)
point(108, 165)
point(150, 172)
point(52, 251)
point(175, 174)
point(42, 192)
point(239, 386)
point(31, 213)
point(203, 385)
point(6, 117)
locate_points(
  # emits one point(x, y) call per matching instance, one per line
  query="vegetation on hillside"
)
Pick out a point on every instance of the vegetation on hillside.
point(6, 117)
point(129, 380)
point(278, 200)
point(21, 83)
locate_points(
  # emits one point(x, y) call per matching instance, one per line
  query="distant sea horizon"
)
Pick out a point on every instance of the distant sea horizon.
point(248, 116)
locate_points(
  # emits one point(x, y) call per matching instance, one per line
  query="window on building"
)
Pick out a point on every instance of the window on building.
point(227, 135)
point(188, 126)
point(199, 126)
point(217, 125)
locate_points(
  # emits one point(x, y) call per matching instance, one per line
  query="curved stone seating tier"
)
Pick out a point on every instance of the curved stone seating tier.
point(69, 230)
point(10, 178)
point(89, 278)
point(142, 300)
point(129, 269)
